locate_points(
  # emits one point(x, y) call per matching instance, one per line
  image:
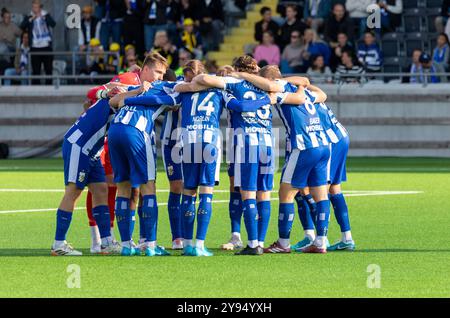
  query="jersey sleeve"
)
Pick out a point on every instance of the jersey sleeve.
point(246, 105)
point(154, 100)
point(231, 83)
point(310, 95)
point(281, 97)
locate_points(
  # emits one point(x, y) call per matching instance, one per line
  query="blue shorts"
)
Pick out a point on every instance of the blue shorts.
point(133, 156)
point(308, 167)
point(201, 165)
point(80, 168)
point(339, 152)
point(255, 172)
point(172, 164)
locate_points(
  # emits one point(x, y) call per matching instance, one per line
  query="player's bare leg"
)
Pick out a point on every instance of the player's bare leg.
point(235, 208)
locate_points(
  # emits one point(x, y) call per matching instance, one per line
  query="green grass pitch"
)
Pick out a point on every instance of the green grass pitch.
point(406, 234)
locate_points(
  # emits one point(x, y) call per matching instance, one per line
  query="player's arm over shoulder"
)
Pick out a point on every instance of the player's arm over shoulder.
point(118, 100)
point(210, 81)
point(294, 99)
point(184, 87)
point(318, 94)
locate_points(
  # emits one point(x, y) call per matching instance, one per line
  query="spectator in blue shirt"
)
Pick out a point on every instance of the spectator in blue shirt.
point(315, 46)
point(441, 55)
point(369, 53)
point(428, 69)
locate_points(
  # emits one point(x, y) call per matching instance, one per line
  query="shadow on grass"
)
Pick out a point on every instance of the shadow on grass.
point(40, 252)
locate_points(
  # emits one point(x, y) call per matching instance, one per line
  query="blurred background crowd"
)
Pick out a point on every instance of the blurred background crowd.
point(327, 39)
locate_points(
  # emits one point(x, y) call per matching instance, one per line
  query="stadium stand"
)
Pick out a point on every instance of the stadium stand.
point(235, 27)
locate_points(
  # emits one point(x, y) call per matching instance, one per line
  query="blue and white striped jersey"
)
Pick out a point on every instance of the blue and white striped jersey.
point(143, 117)
point(89, 130)
point(302, 122)
point(257, 126)
point(332, 126)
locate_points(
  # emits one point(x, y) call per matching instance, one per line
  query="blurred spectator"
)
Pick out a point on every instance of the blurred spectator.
point(112, 21)
point(90, 28)
point(338, 22)
point(183, 57)
point(211, 66)
point(343, 44)
point(212, 23)
point(266, 24)
point(268, 51)
point(21, 60)
point(293, 23)
point(129, 61)
point(9, 32)
point(440, 55)
point(114, 59)
point(291, 59)
point(442, 21)
point(391, 11)
point(369, 53)
point(241, 4)
point(95, 60)
point(155, 19)
point(191, 39)
point(133, 28)
point(38, 24)
point(318, 72)
point(427, 70)
point(416, 67)
point(357, 10)
point(349, 71)
point(315, 46)
point(184, 9)
point(164, 46)
point(315, 12)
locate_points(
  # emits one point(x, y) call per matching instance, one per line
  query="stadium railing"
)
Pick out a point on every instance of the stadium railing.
point(72, 56)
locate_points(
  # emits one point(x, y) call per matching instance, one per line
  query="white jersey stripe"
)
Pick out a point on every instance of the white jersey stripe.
point(291, 165)
point(334, 139)
point(126, 119)
point(314, 141)
point(151, 173)
point(73, 163)
point(342, 129)
point(300, 142)
point(141, 123)
point(93, 140)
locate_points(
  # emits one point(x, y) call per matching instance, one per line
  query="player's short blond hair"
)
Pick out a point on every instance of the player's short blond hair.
point(246, 64)
point(270, 71)
point(155, 58)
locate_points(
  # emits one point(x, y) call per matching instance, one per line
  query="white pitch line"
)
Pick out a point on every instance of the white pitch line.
point(362, 193)
point(62, 190)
